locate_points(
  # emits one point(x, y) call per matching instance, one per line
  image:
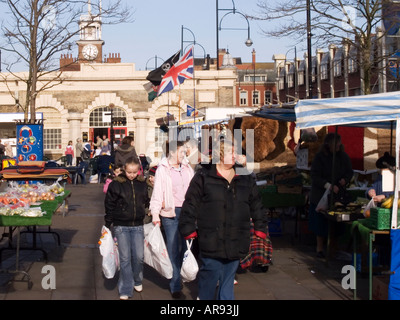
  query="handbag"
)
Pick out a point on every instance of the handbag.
point(155, 250)
point(189, 268)
point(109, 251)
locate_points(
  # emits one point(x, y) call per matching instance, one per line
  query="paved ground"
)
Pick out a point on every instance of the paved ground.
point(295, 274)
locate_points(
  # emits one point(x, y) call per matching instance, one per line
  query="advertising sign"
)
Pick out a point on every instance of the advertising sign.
point(29, 142)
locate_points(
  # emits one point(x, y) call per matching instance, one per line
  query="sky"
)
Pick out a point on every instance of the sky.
point(157, 26)
point(156, 31)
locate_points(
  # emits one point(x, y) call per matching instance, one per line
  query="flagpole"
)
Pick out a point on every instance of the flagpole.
point(194, 91)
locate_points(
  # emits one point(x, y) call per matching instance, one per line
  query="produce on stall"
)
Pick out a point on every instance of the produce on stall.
point(25, 199)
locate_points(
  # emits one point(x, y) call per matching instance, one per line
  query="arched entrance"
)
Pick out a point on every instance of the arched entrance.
point(100, 123)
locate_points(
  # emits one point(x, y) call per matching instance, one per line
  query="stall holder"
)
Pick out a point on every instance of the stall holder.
point(16, 222)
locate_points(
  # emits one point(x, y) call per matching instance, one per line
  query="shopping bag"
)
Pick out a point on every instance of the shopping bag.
point(189, 267)
point(323, 204)
point(155, 251)
point(367, 210)
point(109, 251)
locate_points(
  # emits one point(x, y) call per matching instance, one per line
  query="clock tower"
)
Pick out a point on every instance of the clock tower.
point(90, 44)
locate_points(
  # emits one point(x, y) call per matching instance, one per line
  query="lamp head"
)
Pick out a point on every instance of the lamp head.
point(248, 42)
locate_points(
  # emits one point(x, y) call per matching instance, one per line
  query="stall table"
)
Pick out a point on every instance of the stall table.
point(362, 229)
point(272, 200)
point(16, 222)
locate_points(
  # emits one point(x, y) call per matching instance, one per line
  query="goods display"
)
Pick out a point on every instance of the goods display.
point(24, 199)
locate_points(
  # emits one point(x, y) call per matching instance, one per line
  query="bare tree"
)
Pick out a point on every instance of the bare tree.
point(36, 32)
point(354, 22)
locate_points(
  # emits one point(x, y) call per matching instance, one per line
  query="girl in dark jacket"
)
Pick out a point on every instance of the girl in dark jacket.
point(218, 206)
point(125, 203)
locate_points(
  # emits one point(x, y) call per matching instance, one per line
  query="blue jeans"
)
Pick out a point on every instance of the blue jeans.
point(176, 247)
point(69, 159)
point(131, 255)
point(217, 271)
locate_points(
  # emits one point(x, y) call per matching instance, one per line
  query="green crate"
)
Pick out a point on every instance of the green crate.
point(380, 218)
point(268, 188)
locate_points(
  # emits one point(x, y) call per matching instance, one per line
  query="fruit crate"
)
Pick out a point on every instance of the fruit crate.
point(381, 218)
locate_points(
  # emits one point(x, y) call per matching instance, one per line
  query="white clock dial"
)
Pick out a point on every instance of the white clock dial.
point(90, 52)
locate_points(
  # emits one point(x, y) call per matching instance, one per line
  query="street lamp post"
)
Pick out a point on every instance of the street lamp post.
point(194, 42)
point(248, 42)
point(155, 62)
point(112, 128)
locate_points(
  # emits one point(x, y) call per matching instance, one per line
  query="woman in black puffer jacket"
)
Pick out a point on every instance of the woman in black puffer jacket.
point(218, 207)
point(125, 203)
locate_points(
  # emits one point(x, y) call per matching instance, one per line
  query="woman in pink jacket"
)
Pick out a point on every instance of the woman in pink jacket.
point(172, 179)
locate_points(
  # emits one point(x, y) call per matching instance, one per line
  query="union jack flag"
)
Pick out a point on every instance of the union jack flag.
point(180, 71)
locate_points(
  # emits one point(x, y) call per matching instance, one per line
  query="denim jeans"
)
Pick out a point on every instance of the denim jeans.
point(69, 159)
point(217, 271)
point(131, 255)
point(176, 247)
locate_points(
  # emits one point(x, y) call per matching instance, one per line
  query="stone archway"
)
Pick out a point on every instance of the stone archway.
point(103, 100)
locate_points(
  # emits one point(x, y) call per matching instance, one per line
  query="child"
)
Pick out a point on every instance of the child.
point(125, 203)
point(69, 152)
point(150, 186)
point(116, 172)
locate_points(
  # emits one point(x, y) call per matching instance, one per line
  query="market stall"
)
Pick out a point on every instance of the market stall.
point(379, 110)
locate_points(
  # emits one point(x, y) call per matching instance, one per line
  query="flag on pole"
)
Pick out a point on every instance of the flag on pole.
point(151, 90)
point(191, 111)
point(178, 73)
point(155, 76)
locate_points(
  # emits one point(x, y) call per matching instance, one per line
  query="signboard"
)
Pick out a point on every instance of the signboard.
point(29, 142)
point(302, 159)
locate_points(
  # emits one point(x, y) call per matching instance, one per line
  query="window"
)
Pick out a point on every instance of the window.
point(352, 65)
point(324, 71)
point(290, 80)
point(268, 97)
point(300, 78)
point(100, 117)
point(255, 78)
point(281, 83)
point(337, 68)
point(243, 98)
point(159, 138)
point(256, 98)
point(52, 139)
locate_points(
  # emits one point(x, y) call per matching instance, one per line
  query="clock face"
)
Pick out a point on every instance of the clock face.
point(90, 52)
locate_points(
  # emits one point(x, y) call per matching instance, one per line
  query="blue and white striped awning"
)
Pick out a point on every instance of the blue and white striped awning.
point(196, 127)
point(376, 109)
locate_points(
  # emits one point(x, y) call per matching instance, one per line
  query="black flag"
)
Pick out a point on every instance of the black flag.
point(155, 76)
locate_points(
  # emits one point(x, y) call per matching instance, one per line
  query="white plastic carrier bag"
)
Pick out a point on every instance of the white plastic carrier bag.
point(109, 251)
point(155, 250)
point(190, 268)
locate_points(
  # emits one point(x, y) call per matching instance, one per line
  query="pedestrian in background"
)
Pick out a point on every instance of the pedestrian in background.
point(79, 150)
point(116, 171)
point(218, 206)
point(150, 186)
point(172, 179)
point(8, 149)
point(125, 151)
point(125, 203)
point(321, 179)
point(69, 153)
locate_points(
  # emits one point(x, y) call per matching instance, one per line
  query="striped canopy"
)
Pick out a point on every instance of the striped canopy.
point(376, 109)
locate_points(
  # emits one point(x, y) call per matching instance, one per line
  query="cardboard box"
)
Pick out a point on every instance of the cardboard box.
point(380, 287)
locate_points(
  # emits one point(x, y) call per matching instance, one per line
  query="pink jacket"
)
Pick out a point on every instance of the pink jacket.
point(162, 199)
